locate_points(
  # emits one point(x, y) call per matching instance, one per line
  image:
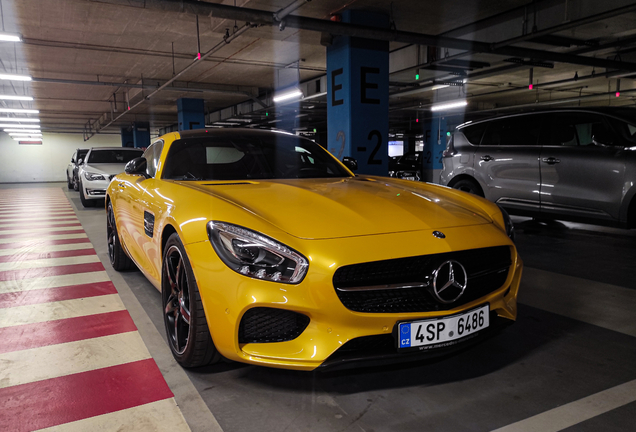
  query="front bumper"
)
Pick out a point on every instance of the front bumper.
point(333, 329)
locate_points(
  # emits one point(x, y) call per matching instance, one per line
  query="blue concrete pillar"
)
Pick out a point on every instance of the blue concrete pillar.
point(358, 96)
point(191, 113)
point(141, 134)
point(434, 131)
point(127, 139)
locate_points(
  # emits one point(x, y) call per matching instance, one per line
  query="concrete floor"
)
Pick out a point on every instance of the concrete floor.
point(569, 363)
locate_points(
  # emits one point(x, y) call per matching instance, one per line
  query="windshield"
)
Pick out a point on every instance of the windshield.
point(245, 157)
point(81, 154)
point(113, 156)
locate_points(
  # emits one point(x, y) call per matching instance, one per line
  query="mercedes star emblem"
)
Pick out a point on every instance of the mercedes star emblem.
point(449, 281)
point(439, 234)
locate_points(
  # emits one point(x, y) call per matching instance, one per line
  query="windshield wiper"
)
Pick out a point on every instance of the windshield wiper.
point(189, 176)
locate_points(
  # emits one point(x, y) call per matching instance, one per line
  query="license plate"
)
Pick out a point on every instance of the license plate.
point(440, 332)
point(408, 178)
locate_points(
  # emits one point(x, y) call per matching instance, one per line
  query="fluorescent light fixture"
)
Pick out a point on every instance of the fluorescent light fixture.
point(224, 124)
point(20, 119)
point(23, 130)
point(10, 37)
point(439, 86)
point(18, 98)
point(9, 125)
point(25, 134)
point(240, 120)
point(449, 105)
point(291, 94)
point(19, 111)
point(12, 77)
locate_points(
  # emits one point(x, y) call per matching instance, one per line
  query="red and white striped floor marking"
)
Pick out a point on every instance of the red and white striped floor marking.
point(71, 358)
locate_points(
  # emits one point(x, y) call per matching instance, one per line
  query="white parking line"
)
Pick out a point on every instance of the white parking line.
point(37, 249)
point(48, 262)
point(52, 361)
point(152, 417)
point(36, 313)
point(576, 412)
point(52, 281)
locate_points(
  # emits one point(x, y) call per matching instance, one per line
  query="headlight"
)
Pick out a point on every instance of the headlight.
point(252, 254)
point(510, 228)
point(93, 176)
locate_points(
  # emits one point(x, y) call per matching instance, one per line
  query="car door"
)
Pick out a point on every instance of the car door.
point(580, 175)
point(507, 162)
point(145, 211)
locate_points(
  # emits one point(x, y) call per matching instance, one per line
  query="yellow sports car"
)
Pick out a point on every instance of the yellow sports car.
point(270, 251)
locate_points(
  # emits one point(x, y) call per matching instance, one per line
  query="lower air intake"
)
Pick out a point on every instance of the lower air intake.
point(261, 325)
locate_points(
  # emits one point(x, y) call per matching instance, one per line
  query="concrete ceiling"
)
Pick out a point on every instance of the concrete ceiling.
point(91, 59)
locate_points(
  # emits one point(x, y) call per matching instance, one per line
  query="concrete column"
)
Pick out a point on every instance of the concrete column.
point(127, 139)
point(191, 113)
point(358, 96)
point(141, 134)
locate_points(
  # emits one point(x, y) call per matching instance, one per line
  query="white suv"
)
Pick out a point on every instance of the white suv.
point(99, 167)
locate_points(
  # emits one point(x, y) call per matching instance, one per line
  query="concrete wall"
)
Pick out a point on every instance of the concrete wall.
point(46, 162)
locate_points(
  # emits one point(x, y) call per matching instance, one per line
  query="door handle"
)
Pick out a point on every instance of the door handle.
point(487, 158)
point(551, 160)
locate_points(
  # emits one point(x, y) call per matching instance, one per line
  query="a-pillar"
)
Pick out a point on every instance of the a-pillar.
point(191, 113)
point(141, 134)
point(358, 96)
point(127, 139)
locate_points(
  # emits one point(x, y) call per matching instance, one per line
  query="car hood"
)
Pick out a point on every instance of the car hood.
point(107, 168)
point(335, 208)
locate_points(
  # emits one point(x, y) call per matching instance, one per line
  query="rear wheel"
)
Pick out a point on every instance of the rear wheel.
point(186, 326)
point(69, 183)
point(75, 183)
point(118, 258)
point(469, 186)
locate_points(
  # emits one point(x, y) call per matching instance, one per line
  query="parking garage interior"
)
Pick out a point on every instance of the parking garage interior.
point(84, 346)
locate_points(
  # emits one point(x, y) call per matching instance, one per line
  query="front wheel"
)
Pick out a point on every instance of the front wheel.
point(469, 186)
point(186, 326)
point(118, 258)
point(85, 202)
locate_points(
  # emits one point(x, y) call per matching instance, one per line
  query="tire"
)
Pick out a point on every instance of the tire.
point(469, 186)
point(75, 183)
point(186, 326)
point(118, 258)
point(85, 202)
point(69, 183)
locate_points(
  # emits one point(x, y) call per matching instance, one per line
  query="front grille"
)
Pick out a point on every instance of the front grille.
point(261, 324)
point(487, 270)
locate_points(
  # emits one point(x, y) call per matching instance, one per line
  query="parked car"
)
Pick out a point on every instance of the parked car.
point(99, 167)
point(73, 167)
point(407, 167)
point(268, 250)
point(570, 164)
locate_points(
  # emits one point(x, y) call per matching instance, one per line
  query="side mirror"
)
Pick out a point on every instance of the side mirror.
point(137, 166)
point(350, 163)
point(80, 161)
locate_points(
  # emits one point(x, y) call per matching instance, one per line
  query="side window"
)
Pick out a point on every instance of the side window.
point(474, 133)
point(580, 129)
point(513, 131)
point(152, 155)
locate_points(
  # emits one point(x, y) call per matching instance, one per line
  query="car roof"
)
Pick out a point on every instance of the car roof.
point(623, 113)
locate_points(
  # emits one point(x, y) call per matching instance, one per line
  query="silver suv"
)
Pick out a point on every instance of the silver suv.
point(570, 164)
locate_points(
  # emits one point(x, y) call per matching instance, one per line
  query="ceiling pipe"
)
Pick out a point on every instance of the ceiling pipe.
point(346, 29)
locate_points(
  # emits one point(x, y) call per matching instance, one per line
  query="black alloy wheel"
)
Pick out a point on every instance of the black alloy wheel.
point(186, 326)
point(118, 258)
point(75, 183)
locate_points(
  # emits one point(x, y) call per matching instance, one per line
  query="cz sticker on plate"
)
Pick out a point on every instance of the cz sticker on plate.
point(439, 332)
